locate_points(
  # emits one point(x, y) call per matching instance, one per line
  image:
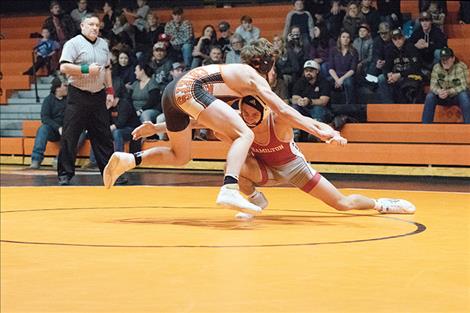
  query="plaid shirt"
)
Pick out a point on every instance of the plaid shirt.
point(179, 33)
point(454, 81)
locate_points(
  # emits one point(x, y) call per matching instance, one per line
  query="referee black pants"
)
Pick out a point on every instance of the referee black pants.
point(84, 110)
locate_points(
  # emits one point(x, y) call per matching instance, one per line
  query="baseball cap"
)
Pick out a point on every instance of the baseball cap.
point(446, 52)
point(177, 65)
point(224, 26)
point(384, 27)
point(365, 26)
point(312, 64)
point(397, 33)
point(425, 16)
point(159, 45)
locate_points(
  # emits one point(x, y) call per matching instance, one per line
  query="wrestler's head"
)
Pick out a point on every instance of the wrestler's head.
point(259, 55)
point(252, 110)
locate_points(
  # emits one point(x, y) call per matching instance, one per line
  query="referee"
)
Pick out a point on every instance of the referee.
point(85, 60)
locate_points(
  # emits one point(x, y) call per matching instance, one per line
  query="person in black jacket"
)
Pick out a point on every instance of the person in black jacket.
point(464, 12)
point(52, 118)
point(402, 70)
point(60, 25)
point(429, 40)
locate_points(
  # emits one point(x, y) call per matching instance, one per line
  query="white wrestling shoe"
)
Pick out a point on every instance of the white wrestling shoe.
point(259, 199)
point(230, 197)
point(399, 206)
point(118, 164)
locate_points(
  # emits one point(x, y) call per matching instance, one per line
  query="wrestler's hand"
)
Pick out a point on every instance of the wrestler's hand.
point(109, 101)
point(145, 130)
point(337, 139)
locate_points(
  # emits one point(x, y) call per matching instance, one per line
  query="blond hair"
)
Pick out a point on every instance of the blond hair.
point(255, 49)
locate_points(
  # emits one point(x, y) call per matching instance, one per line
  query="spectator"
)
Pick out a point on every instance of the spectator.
point(215, 56)
point(161, 65)
point(45, 49)
point(203, 45)
point(318, 9)
point(428, 39)
point(380, 45)
point(296, 50)
point(353, 20)
point(247, 30)
point(139, 16)
point(52, 118)
point(334, 19)
point(343, 63)
point(464, 12)
point(363, 45)
point(79, 13)
point(311, 93)
point(147, 38)
point(401, 80)
point(145, 95)
point(124, 69)
point(371, 15)
point(438, 16)
point(286, 66)
point(279, 86)
point(108, 19)
point(181, 35)
point(236, 45)
point(224, 37)
point(423, 5)
point(390, 12)
point(121, 31)
point(320, 48)
point(449, 86)
point(60, 25)
point(301, 18)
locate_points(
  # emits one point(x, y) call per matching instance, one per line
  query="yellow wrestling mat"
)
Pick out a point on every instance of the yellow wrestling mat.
point(170, 249)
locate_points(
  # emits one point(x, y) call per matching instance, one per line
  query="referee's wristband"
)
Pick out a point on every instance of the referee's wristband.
point(85, 68)
point(109, 91)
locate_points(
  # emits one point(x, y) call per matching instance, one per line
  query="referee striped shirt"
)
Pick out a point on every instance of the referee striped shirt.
point(80, 50)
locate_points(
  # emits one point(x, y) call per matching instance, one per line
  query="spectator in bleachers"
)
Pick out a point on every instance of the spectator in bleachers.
point(278, 85)
point(318, 9)
point(438, 16)
point(60, 25)
point(449, 86)
point(287, 67)
point(161, 65)
point(44, 50)
point(464, 12)
point(139, 16)
point(108, 19)
point(423, 5)
point(145, 95)
point(223, 40)
point(124, 69)
point(152, 32)
point(334, 19)
point(380, 45)
point(78, 13)
point(236, 45)
point(371, 15)
point(343, 64)
point(215, 56)
point(52, 118)
point(203, 45)
point(296, 50)
point(181, 35)
point(320, 48)
point(428, 39)
point(401, 81)
point(353, 19)
point(247, 30)
point(390, 12)
point(121, 31)
point(300, 18)
point(364, 46)
point(311, 95)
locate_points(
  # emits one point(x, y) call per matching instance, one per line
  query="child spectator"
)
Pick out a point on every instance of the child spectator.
point(363, 45)
point(449, 86)
point(301, 18)
point(247, 30)
point(181, 35)
point(203, 45)
point(44, 48)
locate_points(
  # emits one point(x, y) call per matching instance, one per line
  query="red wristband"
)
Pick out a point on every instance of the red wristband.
point(110, 91)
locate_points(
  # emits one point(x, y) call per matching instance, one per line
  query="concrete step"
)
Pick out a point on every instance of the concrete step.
point(45, 80)
point(11, 133)
point(23, 101)
point(20, 116)
point(21, 108)
point(11, 124)
point(41, 86)
point(32, 94)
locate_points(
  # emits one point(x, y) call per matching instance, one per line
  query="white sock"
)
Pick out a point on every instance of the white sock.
point(376, 205)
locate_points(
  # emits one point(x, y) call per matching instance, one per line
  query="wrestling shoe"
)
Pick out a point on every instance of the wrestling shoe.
point(386, 205)
point(118, 164)
point(259, 199)
point(230, 197)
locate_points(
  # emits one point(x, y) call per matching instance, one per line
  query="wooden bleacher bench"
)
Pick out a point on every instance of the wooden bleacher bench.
point(410, 113)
